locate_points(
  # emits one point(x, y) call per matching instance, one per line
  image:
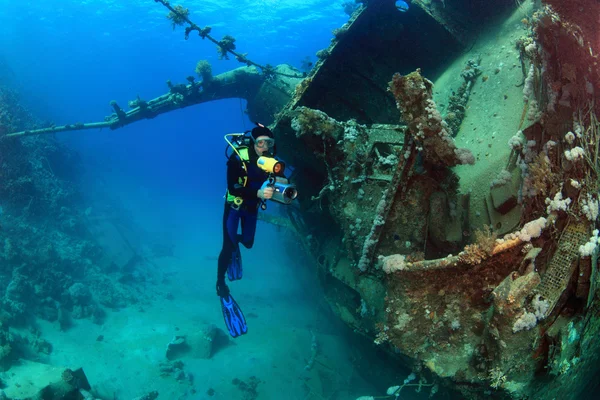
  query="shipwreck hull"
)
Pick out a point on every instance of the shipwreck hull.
point(402, 253)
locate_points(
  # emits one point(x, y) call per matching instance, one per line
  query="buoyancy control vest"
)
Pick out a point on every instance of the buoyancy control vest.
point(252, 177)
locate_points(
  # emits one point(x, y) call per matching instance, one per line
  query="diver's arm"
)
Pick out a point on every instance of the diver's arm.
point(234, 172)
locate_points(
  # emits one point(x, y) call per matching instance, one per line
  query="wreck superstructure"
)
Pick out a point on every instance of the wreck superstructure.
point(484, 275)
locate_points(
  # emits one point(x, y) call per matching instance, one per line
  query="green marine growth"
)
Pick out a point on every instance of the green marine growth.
point(178, 17)
point(226, 45)
point(204, 70)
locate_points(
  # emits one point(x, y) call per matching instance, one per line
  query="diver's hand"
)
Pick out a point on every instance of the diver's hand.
point(265, 193)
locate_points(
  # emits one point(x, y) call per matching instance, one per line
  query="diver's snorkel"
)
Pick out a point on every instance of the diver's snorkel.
point(283, 191)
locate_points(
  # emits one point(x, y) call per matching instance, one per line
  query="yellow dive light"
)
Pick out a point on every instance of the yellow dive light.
point(270, 165)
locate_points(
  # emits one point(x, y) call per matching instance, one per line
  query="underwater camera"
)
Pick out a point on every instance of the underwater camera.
point(284, 192)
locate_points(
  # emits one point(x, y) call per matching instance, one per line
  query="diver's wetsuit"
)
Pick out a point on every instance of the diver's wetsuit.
point(247, 212)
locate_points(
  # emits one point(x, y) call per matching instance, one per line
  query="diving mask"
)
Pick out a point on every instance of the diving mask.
point(265, 142)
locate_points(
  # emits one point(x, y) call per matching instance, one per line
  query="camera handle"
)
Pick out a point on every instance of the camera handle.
point(270, 182)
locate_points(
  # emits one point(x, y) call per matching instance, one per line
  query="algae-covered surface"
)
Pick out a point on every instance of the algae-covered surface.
point(494, 107)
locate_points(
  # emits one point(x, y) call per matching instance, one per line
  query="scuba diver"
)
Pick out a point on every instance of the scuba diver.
point(253, 176)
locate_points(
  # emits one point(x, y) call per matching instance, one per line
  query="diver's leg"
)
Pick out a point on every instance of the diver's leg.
point(234, 268)
point(249, 220)
point(230, 221)
point(232, 224)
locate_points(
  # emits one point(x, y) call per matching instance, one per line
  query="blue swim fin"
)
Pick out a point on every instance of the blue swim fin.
point(234, 270)
point(233, 315)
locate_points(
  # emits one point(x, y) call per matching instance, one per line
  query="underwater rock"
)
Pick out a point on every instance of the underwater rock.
point(177, 347)
point(83, 303)
point(52, 382)
point(207, 341)
point(175, 370)
point(86, 395)
point(108, 293)
point(201, 344)
point(249, 389)
point(42, 346)
point(48, 310)
point(80, 294)
point(64, 319)
point(6, 348)
point(17, 293)
point(150, 396)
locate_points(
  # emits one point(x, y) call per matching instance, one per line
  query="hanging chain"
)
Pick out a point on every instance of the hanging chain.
point(179, 16)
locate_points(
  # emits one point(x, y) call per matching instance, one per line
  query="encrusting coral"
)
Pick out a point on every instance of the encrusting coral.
point(426, 127)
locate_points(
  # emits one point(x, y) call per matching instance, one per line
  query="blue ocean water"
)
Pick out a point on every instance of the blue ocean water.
point(74, 57)
point(70, 59)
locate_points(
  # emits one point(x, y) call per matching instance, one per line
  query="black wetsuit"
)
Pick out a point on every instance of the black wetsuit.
point(246, 213)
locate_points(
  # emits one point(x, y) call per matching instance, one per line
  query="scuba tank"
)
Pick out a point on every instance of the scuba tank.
point(235, 140)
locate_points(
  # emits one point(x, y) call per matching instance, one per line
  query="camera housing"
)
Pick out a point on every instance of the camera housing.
point(284, 192)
